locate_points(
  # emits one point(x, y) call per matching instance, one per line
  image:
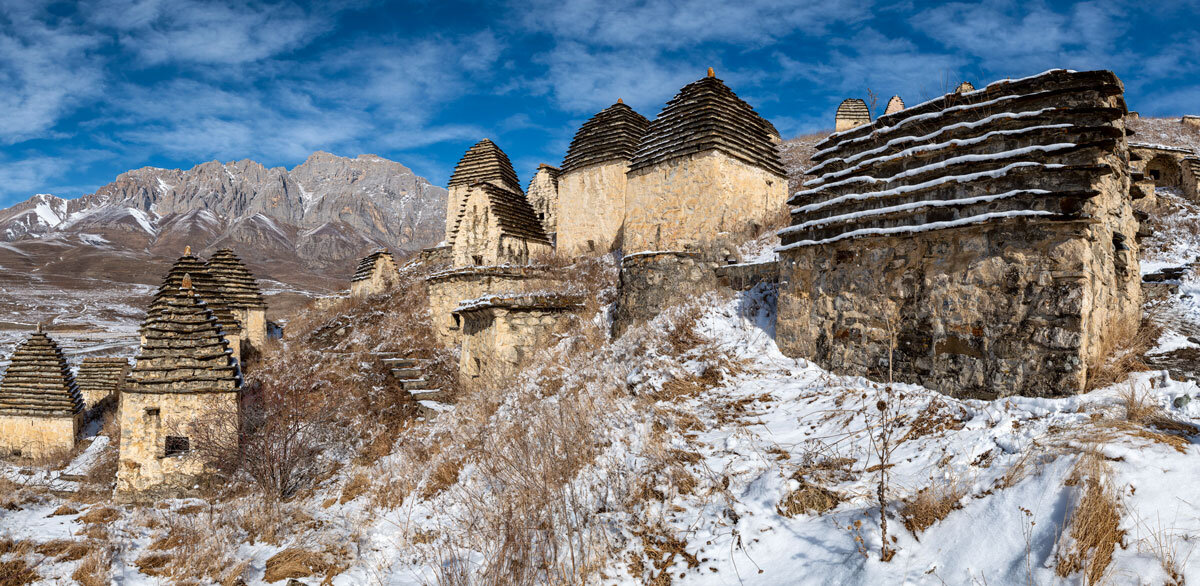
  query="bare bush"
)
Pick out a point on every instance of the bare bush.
point(1092, 532)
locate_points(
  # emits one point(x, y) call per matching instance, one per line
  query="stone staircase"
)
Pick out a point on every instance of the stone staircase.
point(410, 373)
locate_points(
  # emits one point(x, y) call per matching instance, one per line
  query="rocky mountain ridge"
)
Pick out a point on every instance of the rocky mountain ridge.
point(300, 230)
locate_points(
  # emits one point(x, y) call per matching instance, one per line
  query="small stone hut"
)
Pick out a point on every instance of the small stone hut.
point(593, 180)
point(543, 196)
point(1162, 165)
point(41, 411)
point(851, 113)
point(949, 243)
point(375, 274)
point(503, 333)
point(100, 380)
point(447, 289)
point(237, 285)
point(1191, 120)
point(964, 87)
point(708, 167)
point(208, 288)
point(185, 376)
point(482, 163)
point(894, 105)
point(497, 226)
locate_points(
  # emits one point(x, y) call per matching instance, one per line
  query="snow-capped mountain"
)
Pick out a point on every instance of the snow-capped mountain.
point(322, 212)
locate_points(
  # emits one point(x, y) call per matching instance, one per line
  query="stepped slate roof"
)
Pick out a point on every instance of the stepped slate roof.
point(551, 170)
point(707, 115)
point(204, 284)
point(235, 282)
point(38, 381)
point(855, 110)
point(366, 266)
point(101, 376)
point(484, 162)
point(184, 351)
point(611, 135)
point(513, 212)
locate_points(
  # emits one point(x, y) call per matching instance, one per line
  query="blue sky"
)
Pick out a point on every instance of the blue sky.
point(91, 89)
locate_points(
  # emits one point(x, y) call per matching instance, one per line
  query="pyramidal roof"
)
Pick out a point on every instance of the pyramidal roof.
point(484, 162)
point(184, 351)
point(513, 212)
point(366, 266)
point(854, 109)
point(38, 381)
point(203, 284)
point(612, 134)
point(234, 280)
point(707, 115)
point(101, 375)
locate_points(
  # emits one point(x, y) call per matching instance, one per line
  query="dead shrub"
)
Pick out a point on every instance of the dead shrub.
point(1092, 531)
point(64, 510)
point(931, 504)
point(443, 476)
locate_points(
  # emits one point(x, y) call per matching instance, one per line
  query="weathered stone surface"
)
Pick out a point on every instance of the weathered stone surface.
point(40, 406)
point(653, 281)
point(1191, 178)
point(851, 113)
point(743, 277)
point(981, 245)
point(448, 289)
point(185, 375)
point(591, 208)
point(375, 274)
point(690, 201)
point(503, 334)
point(894, 105)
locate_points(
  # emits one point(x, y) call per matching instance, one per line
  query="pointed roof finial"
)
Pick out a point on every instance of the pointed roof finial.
point(187, 250)
point(711, 73)
point(620, 101)
point(187, 282)
point(39, 327)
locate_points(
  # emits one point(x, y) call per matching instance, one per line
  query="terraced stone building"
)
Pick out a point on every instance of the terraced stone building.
point(982, 243)
point(375, 274)
point(41, 410)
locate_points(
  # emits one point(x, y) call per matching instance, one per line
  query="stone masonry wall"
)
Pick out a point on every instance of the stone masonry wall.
point(38, 436)
point(591, 208)
point(144, 472)
point(988, 251)
point(543, 196)
point(652, 282)
point(447, 289)
point(686, 201)
point(499, 342)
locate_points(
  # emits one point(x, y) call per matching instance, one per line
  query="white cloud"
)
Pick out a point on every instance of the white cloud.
point(45, 71)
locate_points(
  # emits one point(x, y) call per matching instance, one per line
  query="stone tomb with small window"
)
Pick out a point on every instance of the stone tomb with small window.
point(183, 389)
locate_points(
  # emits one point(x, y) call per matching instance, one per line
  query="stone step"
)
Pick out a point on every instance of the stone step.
point(407, 373)
point(431, 408)
point(412, 384)
point(402, 362)
point(437, 395)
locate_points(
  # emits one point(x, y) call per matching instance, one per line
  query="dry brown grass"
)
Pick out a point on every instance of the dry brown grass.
point(296, 562)
point(64, 510)
point(931, 504)
point(99, 516)
point(17, 572)
point(1141, 416)
point(808, 499)
point(96, 567)
point(1126, 357)
point(1092, 532)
